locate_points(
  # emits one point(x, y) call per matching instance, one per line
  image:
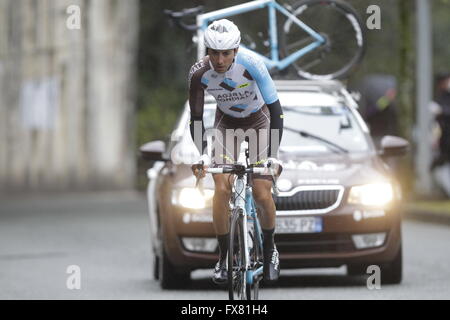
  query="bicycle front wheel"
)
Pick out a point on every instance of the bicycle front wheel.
point(236, 260)
point(340, 26)
point(256, 260)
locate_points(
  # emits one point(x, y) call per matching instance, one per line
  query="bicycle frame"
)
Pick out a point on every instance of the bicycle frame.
point(273, 62)
point(244, 209)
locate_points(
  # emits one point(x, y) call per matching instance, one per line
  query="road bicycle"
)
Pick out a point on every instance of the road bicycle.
point(245, 250)
point(320, 39)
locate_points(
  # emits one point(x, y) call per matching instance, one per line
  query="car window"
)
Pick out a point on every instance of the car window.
point(208, 117)
point(335, 124)
point(184, 150)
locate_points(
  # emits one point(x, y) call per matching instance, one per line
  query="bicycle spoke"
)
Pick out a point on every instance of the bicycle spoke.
point(336, 22)
point(311, 64)
point(338, 36)
point(300, 43)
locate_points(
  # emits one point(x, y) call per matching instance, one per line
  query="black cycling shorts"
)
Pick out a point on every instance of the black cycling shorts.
point(230, 132)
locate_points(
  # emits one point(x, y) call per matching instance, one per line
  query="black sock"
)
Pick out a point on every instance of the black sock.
point(223, 246)
point(268, 242)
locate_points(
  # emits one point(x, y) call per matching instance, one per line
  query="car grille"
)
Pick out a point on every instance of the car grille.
point(319, 199)
point(314, 243)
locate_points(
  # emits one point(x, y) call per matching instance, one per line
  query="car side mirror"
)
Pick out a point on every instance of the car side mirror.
point(153, 150)
point(356, 95)
point(392, 146)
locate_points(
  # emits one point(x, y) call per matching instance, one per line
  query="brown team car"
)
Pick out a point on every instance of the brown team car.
point(338, 202)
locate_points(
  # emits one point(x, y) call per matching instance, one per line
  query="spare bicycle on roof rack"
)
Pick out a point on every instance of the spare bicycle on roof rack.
point(320, 39)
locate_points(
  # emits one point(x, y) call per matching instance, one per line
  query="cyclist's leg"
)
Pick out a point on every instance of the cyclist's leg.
point(221, 200)
point(221, 224)
point(222, 154)
point(267, 214)
point(223, 185)
point(262, 195)
point(262, 184)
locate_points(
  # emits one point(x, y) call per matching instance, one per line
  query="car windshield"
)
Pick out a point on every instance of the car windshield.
point(321, 129)
point(209, 117)
point(315, 129)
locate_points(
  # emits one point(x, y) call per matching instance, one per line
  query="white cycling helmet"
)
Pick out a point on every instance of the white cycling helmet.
point(222, 35)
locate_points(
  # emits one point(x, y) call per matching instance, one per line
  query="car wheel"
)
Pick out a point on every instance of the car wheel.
point(391, 273)
point(155, 267)
point(169, 278)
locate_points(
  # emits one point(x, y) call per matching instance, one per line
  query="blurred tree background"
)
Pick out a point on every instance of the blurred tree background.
point(166, 54)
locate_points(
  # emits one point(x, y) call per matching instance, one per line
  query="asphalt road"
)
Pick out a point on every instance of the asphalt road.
point(106, 235)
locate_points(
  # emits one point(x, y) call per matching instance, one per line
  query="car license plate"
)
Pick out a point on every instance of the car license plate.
point(298, 225)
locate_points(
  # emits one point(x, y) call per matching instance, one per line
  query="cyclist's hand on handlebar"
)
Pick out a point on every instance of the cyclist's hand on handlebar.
point(275, 167)
point(199, 168)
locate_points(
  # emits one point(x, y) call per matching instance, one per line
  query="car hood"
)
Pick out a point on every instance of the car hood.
point(183, 178)
point(331, 169)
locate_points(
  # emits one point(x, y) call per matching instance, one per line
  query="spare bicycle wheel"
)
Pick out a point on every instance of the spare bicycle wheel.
point(342, 30)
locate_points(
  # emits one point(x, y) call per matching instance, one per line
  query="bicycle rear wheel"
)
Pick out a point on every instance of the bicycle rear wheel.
point(236, 260)
point(342, 29)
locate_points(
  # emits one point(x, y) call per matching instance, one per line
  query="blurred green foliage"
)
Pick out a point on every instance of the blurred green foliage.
point(441, 30)
point(158, 114)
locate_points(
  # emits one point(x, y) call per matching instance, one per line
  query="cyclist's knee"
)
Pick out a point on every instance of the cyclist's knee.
point(222, 187)
point(262, 190)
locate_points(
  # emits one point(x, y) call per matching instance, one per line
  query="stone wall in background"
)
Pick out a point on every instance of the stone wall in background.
point(67, 96)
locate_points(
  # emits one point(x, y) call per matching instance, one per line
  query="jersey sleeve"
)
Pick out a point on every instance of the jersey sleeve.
point(196, 104)
point(258, 71)
point(196, 93)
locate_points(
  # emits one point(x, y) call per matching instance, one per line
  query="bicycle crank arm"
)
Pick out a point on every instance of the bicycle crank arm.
point(254, 275)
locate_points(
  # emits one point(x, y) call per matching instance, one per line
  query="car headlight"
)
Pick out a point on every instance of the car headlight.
point(284, 185)
point(375, 194)
point(192, 198)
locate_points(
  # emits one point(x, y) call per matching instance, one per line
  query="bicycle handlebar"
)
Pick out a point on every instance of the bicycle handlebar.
point(240, 169)
point(177, 17)
point(185, 12)
point(233, 170)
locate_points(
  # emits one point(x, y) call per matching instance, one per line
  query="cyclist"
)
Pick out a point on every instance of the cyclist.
point(246, 99)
